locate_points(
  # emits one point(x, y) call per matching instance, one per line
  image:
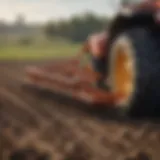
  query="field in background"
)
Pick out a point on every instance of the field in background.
point(36, 49)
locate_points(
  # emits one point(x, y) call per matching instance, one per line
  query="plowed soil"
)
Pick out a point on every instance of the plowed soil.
point(34, 124)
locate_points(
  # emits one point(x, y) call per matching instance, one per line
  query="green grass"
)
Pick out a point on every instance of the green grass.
point(37, 51)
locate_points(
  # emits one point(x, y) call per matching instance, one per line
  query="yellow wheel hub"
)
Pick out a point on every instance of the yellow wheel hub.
point(122, 71)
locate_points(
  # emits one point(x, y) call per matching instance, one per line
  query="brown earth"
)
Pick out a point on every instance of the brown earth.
point(35, 125)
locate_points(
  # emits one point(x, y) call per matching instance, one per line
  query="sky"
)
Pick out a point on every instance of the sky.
point(44, 10)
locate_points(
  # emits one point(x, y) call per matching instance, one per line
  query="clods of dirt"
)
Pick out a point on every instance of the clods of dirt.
point(29, 154)
point(140, 156)
point(79, 152)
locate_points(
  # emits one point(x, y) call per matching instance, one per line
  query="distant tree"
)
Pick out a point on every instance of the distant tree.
point(3, 27)
point(50, 30)
point(20, 19)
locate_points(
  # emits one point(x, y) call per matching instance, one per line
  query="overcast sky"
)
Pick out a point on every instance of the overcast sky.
point(43, 10)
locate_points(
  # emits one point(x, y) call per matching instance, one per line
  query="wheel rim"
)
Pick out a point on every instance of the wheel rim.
point(122, 71)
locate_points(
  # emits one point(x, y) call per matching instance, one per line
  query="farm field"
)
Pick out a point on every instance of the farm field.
point(37, 51)
point(35, 120)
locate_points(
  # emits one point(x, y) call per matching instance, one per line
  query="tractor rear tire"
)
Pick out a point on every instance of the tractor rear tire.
point(144, 46)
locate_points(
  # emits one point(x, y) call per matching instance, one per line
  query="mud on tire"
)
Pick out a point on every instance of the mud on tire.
point(145, 46)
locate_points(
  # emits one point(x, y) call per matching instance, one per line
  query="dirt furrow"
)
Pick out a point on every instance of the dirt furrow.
point(28, 118)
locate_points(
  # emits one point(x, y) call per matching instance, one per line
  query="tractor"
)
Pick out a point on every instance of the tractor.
point(133, 60)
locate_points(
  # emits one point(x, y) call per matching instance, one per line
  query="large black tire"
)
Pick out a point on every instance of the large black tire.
point(146, 48)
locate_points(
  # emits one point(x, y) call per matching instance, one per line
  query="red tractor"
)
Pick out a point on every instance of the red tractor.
point(133, 62)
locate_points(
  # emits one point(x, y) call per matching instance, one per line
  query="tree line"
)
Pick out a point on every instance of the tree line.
point(76, 28)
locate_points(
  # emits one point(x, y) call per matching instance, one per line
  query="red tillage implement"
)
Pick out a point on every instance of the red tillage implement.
point(68, 79)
